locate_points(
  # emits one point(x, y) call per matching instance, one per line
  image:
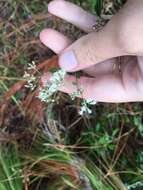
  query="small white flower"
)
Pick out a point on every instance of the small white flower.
point(26, 75)
point(52, 86)
point(58, 77)
point(31, 66)
point(84, 110)
point(30, 80)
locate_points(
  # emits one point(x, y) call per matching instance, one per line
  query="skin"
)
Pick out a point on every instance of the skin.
point(96, 53)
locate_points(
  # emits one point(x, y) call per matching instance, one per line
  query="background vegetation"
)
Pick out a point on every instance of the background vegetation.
point(50, 146)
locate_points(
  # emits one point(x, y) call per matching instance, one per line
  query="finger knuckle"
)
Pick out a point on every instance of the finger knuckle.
point(130, 35)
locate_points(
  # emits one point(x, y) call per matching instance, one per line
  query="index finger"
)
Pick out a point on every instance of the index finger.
point(73, 14)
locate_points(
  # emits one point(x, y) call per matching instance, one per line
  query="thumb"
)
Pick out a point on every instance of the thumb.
point(91, 49)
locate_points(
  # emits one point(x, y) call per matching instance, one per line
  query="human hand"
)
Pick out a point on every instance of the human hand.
point(96, 52)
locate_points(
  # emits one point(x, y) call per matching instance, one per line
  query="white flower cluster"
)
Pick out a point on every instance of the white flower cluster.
point(85, 103)
point(30, 80)
point(31, 66)
point(52, 86)
point(84, 109)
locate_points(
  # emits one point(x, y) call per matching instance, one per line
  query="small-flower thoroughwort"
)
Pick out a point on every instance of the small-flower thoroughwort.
point(31, 66)
point(85, 103)
point(84, 109)
point(53, 85)
point(30, 78)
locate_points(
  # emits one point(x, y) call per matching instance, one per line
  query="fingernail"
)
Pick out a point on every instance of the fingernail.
point(68, 61)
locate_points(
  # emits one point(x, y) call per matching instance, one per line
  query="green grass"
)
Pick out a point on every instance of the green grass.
point(10, 172)
point(103, 151)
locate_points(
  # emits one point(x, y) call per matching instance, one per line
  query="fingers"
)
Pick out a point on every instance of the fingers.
point(103, 68)
point(114, 88)
point(57, 42)
point(73, 14)
point(54, 40)
point(140, 63)
point(90, 50)
point(108, 88)
point(87, 51)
